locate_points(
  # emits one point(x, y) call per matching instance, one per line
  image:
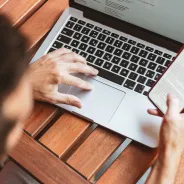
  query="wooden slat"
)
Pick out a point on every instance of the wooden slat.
point(64, 133)
point(130, 165)
point(97, 148)
point(43, 20)
point(3, 2)
point(21, 10)
point(43, 164)
point(41, 116)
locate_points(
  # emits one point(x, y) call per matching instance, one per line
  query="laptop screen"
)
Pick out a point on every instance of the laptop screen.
point(164, 17)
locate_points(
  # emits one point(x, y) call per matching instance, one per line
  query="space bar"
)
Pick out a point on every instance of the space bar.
point(108, 75)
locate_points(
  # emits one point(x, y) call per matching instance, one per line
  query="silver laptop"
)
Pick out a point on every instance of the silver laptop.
point(131, 43)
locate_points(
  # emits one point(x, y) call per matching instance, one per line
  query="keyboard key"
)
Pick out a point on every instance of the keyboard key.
point(64, 39)
point(67, 47)
point(167, 63)
point(99, 53)
point(124, 72)
point(85, 39)
point(85, 31)
point(77, 36)
point(158, 52)
point(106, 32)
point(129, 84)
point(101, 37)
point(126, 55)
point(109, 49)
point(141, 79)
point(83, 46)
point(93, 34)
point(118, 52)
point(168, 56)
point(143, 62)
point(152, 66)
point(81, 22)
point(160, 60)
point(152, 57)
point(149, 49)
point(150, 74)
point(133, 76)
point(107, 56)
point(93, 42)
point(70, 24)
point(134, 50)
point(73, 19)
point(118, 43)
point(143, 53)
point(145, 93)
point(139, 88)
point(107, 65)
point(115, 69)
point(75, 50)
point(132, 42)
point(99, 62)
point(51, 50)
point(132, 67)
point(109, 40)
point(77, 27)
point(109, 76)
point(91, 50)
point(98, 29)
point(141, 70)
point(157, 76)
point(150, 83)
point(75, 43)
point(115, 60)
point(140, 45)
point(115, 35)
point(67, 32)
point(122, 38)
point(89, 25)
point(83, 54)
point(57, 45)
point(126, 47)
point(101, 45)
point(124, 63)
point(160, 69)
point(135, 59)
point(91, 58)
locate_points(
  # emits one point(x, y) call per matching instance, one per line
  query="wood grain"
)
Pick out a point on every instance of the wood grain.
point(43, 164)
point(64, 133)
point(97, 148)
point(41, 116)
point(130, 165)
point(20, 10)
point(3, 2)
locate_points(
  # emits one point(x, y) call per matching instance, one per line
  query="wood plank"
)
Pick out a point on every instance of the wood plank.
point(3, 2)
point(130, 165)
point(23, 10)
point(64, 133)
point(92, 154)
point(41, 116)
point(43, 164)
point(43, 20)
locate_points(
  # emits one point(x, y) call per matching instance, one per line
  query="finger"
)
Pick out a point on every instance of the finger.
point(67, 99)
point(71, 58)
point(155, 112)
point(59, 52)
point(82, 68)
point(173, 105)
point(77, 82)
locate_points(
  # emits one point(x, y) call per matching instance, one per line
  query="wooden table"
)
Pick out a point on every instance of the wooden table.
point(57, 147)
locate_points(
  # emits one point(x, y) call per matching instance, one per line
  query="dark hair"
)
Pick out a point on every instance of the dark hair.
point(12, 67)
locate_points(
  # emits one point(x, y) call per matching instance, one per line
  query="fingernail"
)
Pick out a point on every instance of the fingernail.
point(96, 71)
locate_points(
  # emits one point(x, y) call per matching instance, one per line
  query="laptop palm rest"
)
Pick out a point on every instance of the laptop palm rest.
point(99, 104)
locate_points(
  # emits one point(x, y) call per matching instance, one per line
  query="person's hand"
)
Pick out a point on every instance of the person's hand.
point(56, 68)
point(172, 129)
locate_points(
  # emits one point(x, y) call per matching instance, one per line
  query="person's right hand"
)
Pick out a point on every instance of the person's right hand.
point(172, 129)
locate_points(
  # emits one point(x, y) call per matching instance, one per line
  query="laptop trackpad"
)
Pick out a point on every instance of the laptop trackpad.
point(99, 104)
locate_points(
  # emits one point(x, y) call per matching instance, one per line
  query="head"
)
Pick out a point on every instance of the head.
point(15, 89)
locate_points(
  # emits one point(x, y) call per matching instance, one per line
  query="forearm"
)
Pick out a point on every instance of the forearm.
point(165, 169)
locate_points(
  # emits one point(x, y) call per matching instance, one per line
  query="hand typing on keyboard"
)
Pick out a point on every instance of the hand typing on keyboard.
point(56, 68)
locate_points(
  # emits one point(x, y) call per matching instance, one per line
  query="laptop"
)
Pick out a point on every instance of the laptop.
point(131, 43)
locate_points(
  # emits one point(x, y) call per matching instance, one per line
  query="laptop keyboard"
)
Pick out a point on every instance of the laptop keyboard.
point(120, 60)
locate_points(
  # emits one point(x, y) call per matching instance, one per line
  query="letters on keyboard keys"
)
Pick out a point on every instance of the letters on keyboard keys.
point(99, 53)
point(101, 45)
point(57, 45)
point(135, 59)
point(99, 62)
point(77, 36)
point(101, 37)
point(126, 55)
point(107, 56)
point(85, 30)
point(143, 62)
point(126, 47)
point(160, 69)
point(150, 83)
point(75, 43)
point(67, 32)
point(115, 60)
point(107, 65)
point(139, 88)
point(152, 66)
point(91, 58)
point(141, 79)
point(116, 69)
point(77, 27)
point(91, 50)
point(150, 74)
point(109, 49)
point(75, 50)
point(118, 43)
point(133, 76)
point(132, 67)
point(129, 84)
point(160, 60)
point(93, 42)
point(85, 39)
point(124, 63)
point(70, 24)
point(118, 52)
point(109, 40)
point(141, 70)
point(93, 34)
point(152, 57)
point(64, 39)
point(124, 72)
point(143, 53)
